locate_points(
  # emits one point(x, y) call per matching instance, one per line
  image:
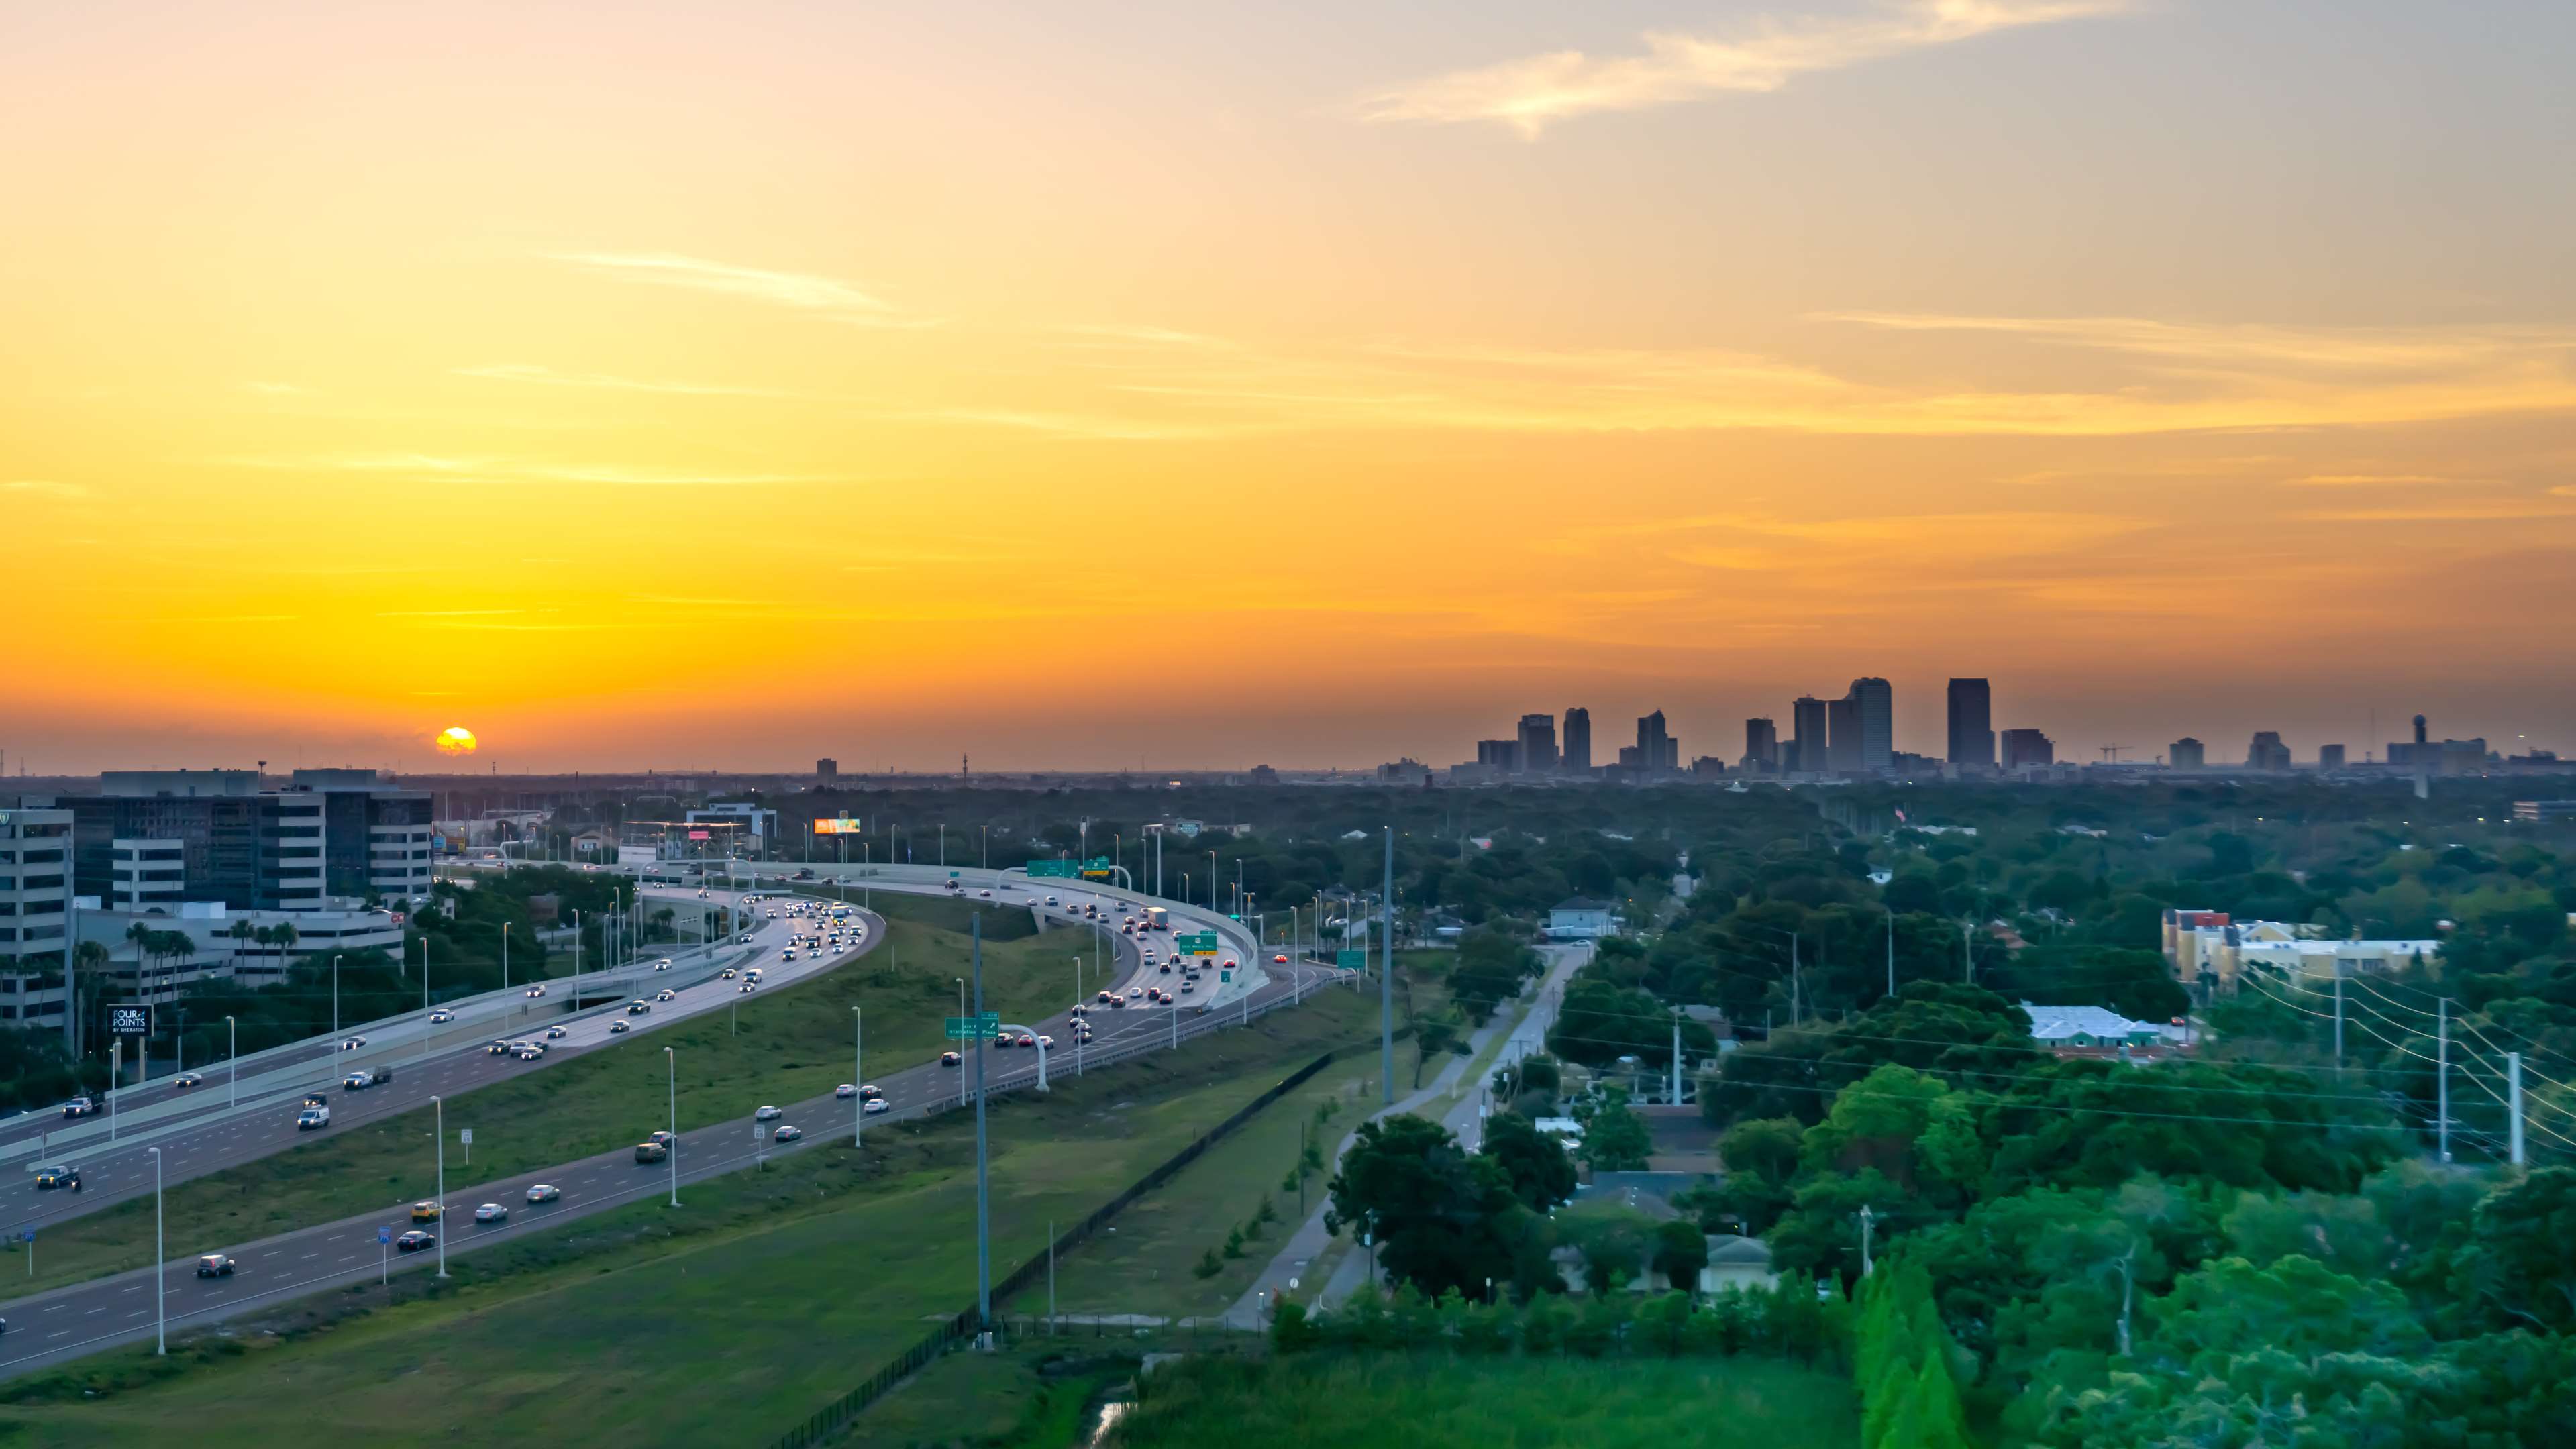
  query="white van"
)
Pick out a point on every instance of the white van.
point(312, 1117)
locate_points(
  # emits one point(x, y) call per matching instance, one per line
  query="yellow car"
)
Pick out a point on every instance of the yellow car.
point(424, 1212)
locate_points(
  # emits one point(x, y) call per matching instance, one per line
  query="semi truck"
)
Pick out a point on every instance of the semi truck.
point(1157, 919)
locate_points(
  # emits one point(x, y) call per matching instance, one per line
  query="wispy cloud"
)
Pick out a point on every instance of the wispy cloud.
point(548, 377)
point(1529, 93)
point(2386, 480)
point(45, 486)
point(515, 470)
point(828, 295)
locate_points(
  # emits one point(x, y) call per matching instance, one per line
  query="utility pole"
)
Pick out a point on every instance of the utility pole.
point(2442, 1094)
point(2513, 1101)
point(1868, 1220)
point(1386, 979)
point(1677, 1057)
point(2338, 1019)
point(1891, 950)
point(983, 1181)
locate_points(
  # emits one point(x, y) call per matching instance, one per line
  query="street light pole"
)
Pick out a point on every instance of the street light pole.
point(983, 1183)
point(160, 1268)
point(968, 1023)
point(858, 1074)
point(505, 955)
point(673, 1059)
point(439, 1130)
point(232, 1089)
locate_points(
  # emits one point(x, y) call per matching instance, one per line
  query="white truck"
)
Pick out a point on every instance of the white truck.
point(1157, 919)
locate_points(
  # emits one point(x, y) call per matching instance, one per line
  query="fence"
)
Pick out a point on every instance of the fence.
point(837, 1416)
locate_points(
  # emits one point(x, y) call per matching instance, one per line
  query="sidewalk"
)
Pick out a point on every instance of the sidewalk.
point(1523, 1035)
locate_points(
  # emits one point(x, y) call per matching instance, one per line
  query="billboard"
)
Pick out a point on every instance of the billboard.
point(129, 1020)
point(842, 825)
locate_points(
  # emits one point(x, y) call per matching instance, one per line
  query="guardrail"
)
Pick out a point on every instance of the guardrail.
point(838, 1415)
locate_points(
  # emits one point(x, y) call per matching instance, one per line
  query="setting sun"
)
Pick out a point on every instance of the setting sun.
point(456, 740)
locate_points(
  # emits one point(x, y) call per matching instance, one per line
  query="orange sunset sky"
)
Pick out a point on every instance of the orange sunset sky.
point(664, 384)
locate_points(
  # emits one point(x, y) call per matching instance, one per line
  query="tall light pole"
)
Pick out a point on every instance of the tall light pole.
point(673, 1059)
point(967, 1022)
point(858, 1074)
point(160, 1268)
point(439, 1131)
point(1212, 905)
point(983, 1184)
point(1386, 978)
point(232, 1089)
point(335, 996)
point(505, 954)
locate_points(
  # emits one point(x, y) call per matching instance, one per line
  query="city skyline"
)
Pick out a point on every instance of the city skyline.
point(1317, 384)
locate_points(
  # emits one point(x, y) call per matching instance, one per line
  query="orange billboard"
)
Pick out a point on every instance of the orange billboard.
point(844, 825)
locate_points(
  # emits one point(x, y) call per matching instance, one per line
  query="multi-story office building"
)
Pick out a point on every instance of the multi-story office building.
point(1500, 756)
point(1657, 750)
point(1874, 707)
point(1761, 745)
point(1972, 724)
point(2267, 752)
point(1538, 744)
point(214, 836)
point(36, 912)
point(2187, 754)
point(2438, 757)
point(827, 768)
point(1842, 735)
point(1578, 741)
point(2329, 757)
point(1809, 730)
point(2024, 748)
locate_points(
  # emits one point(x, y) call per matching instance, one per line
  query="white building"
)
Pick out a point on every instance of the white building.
point(1580, 918)
point(2199, 940)
point(36, 906)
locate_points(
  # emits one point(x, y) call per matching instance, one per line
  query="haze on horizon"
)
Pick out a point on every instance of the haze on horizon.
point(1194, 386)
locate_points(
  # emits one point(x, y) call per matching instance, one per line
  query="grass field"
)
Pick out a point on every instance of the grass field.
point(790, 1044)
point(1146, 1266)
point(764, 1298)
point(1031, 1395)
point(1440, 1402)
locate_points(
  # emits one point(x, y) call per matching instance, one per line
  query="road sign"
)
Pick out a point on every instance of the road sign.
point(1197, 943)
point(1097, 865)
point(1224, 976)
point(129, 1020)
point(967, 1028)
point(1351, 960)
point(1052, 869)
point(466, 1136)
point(384, 1235)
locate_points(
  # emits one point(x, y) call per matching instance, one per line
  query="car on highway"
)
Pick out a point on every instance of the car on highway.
point(666, 995)
point(1051, 900)
point(358, 1081)
point(316, 1099)
point(617, 1028)
point(441, 1017)
point(661, 1136)
point(214, 1265)
point(872, 1093)
point(79, 1107)
point(845, 1091)
point(949, 1059)
point(535, 991)
point(1279, 960)
point(1118, 1003)
point(875, 1105)
point(185, 1080)
point(767, 1114)
point(727, 974)
point(1135, 991)
point(988, 895)
point(752, 975)
point(786, 1133)
point(1108, 996)
point(651, 1152)
point(1167, 968)
point(414, 1241)
point(353, 1043)
point(662, 965)
point(1045, 1041)
point(787, 955)
point(495, 1047)
point(311, 1118)
point(1188, 986)
point(1229, 963)
point(492, 1212)
point(531, 1052)
point(59, 1175)
point(1028, 1040)
point(425, 1211)
point(545, 1192)
point(638, 1007)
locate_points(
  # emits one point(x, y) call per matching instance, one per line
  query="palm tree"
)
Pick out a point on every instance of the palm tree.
point(90, 956)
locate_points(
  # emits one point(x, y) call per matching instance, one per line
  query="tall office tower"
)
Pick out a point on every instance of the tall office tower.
point(1875, 703)
point(1578, 741)
point(1808, 728)
point(1972, 724)
point(1656, 747)
point(1538, 744)
point(2027, 747)
point(2419, 730)
point(2267, 752)
point(827, 768)
point(1761, 745)
point(2329, 757)
point(2187, 754)
point(1842, 735)
point(1502, 756)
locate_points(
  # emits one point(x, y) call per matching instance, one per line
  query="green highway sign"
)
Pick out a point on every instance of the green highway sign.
point(1052, 869)
point(1351, 960)
point(1202, 943)
point(967, 1028)
point(1097, 865)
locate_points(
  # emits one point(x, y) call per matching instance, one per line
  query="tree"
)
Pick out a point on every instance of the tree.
point(1440, 1216)
point(2525, 1250)
point(1533, 1162)
point(1613, 1238)
point(1491, 967)
point(1681, 1250)
point(1614, 1136)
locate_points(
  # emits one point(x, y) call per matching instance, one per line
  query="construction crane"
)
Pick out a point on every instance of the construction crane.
point(2111, 753)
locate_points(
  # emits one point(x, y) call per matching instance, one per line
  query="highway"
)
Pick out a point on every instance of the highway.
point(65, 1323)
